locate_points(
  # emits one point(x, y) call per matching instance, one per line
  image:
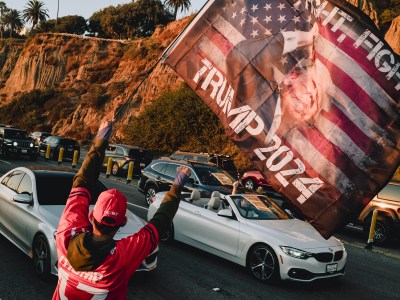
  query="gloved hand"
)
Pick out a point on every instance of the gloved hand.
point(183, 175)
point(105, 130)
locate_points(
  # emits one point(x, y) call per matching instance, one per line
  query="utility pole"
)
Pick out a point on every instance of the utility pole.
point(58, 7)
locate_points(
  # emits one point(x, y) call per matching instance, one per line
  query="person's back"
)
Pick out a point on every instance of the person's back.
point(91, 265)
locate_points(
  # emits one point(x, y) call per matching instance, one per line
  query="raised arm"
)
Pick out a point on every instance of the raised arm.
point(169, 206)
point(91, 166)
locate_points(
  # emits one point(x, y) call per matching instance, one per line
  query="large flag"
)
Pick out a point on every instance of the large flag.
point(307, 90)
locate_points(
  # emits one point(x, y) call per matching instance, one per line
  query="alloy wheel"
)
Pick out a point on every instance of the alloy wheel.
point(262, 263)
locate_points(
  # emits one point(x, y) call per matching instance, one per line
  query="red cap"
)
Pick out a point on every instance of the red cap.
point(111, 204)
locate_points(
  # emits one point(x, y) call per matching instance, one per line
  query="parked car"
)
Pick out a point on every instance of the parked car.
point(122, 155)
point(32, 202)
point(205, 177)
point(252, 231)
point(254, 179)
point(39, 136)
point(387, 202)
point(58, 142)
point(14, 141)
point(225, 162)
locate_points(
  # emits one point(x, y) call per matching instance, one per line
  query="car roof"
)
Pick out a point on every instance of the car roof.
point(185, 162)
point(127, 146)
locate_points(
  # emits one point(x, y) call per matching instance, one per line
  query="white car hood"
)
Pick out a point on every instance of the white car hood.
point(293, 232)
point(52, 213)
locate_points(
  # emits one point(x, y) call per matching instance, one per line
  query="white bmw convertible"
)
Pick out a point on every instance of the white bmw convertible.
point(253, 231)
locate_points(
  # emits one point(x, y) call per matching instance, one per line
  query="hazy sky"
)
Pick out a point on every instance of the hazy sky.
point(86, 8)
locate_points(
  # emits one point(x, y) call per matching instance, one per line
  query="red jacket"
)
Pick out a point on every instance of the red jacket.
point(110, 279)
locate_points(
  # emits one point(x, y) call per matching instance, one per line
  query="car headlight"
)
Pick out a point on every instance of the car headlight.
point(31, 145)
point(296, 253)
point(15, 144)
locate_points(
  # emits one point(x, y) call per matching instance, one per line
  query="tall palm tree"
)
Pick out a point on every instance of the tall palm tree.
point(35, 12)
point(176, 4)
point(14, 21)
point(3, 12)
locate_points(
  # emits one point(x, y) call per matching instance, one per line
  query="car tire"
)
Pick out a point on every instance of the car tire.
point(168, 235)
point(383, 230)
point(249, 184)
point(151, 191)
point(115, 169)
point(263, 263)
point(41, 257)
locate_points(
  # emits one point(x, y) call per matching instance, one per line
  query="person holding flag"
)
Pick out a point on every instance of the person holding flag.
point(91, 264)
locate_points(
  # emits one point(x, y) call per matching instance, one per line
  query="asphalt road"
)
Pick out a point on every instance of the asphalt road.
point(184, 272)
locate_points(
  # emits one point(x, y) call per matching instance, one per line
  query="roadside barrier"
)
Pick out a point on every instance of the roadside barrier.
point(130, 172)
point(60, 155)
point(48, 150)
point(372, 230)
point(109, 166)
point(75, 159)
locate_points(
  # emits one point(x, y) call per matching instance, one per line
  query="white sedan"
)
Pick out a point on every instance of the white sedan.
point(253, 231)
point(31, 204)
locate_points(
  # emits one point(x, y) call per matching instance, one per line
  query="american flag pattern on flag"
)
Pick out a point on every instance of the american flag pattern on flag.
point(308, 91)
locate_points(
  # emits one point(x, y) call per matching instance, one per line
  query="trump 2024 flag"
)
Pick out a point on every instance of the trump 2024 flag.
point(307, 90)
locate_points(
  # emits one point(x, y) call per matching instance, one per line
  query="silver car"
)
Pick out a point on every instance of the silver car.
point(31, 204)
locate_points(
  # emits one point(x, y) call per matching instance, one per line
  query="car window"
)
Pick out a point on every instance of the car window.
point(111, 148)
point(158, 167)
point(120, 151)
point(177, 156)
point(390, 192)
point(67, 143)
point(188, 157)
point(202, 159)
point(213, 176)
point(55, 189)
point(15, 179)
point(171, 170)
point(25, 187)
point(258, 207)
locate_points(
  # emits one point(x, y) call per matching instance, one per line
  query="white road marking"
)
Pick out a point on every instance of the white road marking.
point(6, 163)
point(138, 206)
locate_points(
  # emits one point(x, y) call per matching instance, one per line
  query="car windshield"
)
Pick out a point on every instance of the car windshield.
point(140, 154)
point(258, 207)
point(15, 134)
point(53, 188)
point(69, 143)
point(213, 176)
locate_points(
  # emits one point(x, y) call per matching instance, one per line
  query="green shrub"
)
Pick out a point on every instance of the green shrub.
point(181, 120)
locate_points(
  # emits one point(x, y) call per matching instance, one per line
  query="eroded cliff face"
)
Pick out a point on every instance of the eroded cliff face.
point(87, 69)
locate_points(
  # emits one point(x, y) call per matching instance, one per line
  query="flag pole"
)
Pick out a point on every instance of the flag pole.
point(163, 56)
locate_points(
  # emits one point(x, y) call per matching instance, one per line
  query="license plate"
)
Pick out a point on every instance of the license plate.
point(331, 268)
point(142, 165)
point(70, 149)
point(24, 151)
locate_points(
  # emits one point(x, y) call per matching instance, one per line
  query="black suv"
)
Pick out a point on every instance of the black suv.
point(122, 155)
point(14, 141)
point(58, 142)
point(205, 177)
point(225, 162)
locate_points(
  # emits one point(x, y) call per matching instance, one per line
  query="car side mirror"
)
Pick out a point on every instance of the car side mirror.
point(23, 198)
point(227, 213)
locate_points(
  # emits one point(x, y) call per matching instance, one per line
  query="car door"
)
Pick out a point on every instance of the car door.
point(14, 215)
point(204, 229)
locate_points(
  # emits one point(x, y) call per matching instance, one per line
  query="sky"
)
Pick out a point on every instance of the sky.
point(86, 8)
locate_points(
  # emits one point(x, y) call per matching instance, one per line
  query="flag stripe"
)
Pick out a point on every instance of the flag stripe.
point(345, 56)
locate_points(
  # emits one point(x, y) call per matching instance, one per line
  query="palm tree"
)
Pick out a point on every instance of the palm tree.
point(13, 20)
point(35, 12)
point(3, 12)
point(176, 4)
